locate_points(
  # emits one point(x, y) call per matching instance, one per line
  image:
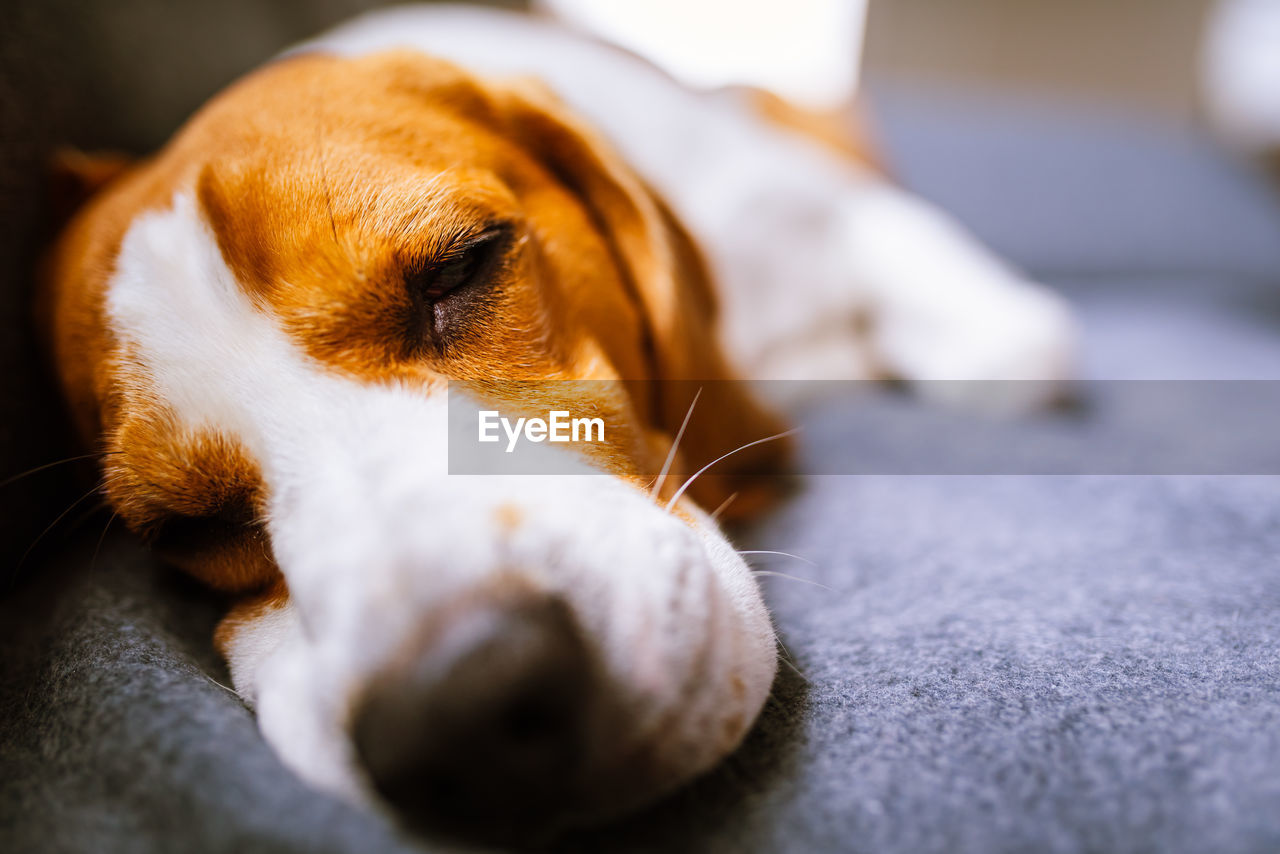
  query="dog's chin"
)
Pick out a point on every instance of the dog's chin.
point(518, 703)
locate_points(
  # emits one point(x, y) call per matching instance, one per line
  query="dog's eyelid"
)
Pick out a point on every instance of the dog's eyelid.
point(449, 288)
point(488, 234)
point(466, 261)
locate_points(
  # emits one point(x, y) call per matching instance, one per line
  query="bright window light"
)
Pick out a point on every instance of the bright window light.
point(804, 50)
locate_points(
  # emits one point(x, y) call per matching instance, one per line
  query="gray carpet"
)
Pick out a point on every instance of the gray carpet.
point(1000, 664)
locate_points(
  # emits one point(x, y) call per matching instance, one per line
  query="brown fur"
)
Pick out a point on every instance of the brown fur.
point(843, 131)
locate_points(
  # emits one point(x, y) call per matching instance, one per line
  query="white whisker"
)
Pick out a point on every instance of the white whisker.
point(715, 514)
point(701, 471)
point(233, 692)
point(796, 671)
point(789, 661)
point(94, 561)
point(105, 482)
point(771, 552)
point(671, 454)
point(17, 477)
point(792, 577)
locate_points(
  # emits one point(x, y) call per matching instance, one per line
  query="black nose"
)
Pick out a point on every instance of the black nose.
point(485, 732)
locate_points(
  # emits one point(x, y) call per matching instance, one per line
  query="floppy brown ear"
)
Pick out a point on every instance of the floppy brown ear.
point(75, 176)
point(670, 282)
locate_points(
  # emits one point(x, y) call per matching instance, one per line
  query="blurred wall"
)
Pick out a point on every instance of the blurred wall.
point(1126, 53)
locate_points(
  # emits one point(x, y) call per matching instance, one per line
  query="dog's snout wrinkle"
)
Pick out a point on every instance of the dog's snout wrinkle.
point(485, 732)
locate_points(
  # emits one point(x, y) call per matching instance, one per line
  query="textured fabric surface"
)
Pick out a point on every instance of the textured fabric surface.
point(117, 735)
point(999, 664)
point(1014, 664)
point(994, 664)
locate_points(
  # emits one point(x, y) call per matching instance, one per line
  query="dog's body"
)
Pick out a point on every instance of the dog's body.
point(805, 244)
point(256, 326)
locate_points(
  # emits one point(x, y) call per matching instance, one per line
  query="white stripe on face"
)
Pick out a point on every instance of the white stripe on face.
point(375, 538)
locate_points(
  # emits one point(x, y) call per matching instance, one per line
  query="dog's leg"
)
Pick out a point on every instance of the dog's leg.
point(850, 278)
point(829, 271)
point(267, 651)
point(945, 314)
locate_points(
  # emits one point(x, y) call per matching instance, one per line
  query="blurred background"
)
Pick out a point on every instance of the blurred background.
point(154, 60)
point(1087, 140)
point(1124, 54)
point(126, 72)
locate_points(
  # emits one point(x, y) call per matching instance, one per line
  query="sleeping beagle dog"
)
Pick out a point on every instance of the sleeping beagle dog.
point(256, 327)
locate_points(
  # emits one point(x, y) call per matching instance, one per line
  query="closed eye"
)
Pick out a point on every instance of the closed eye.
point(447, 288)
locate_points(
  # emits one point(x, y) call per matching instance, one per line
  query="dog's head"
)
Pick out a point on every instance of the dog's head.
point(257, 326)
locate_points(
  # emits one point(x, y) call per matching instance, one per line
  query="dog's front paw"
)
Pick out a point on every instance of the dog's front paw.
point(948, 316)
point(1004, 349)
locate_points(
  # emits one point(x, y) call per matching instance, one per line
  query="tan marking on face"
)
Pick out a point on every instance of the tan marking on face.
point(196, 497)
